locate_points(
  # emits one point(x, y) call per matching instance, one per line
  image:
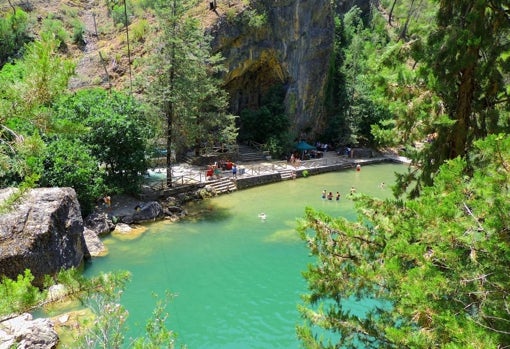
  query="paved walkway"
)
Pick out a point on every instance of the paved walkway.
point(183, 174)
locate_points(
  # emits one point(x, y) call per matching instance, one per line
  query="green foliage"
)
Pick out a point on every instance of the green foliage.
point(77, 169)
point(20, 158)
point(17, 194)
point(442, 74)
point(351, 102)
point(117, 136)
point(157, 335)
point(269, 124)
point(119, 16)
point(139, 30)
point(184, 87)
point(55, 28)
point(19, 295)
point(78, 32)
point(255, 19)
point(28, 87)
point(106, 328)
point(13, 35)
point(73, 280)
point(437, 263)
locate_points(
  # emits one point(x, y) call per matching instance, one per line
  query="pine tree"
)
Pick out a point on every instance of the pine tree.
point(465, 64)
point(431, 271)
point(184, 85)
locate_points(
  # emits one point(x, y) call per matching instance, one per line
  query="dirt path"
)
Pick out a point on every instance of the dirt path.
point(89, 69)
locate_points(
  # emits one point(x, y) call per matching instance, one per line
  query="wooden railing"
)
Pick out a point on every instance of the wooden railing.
point(195, 176)
point(221, 149)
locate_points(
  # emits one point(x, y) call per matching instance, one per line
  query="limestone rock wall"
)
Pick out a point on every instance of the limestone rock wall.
point(292, 47)
point(42, 232)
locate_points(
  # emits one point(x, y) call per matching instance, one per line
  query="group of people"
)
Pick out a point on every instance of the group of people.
point(214, 171)
point(294, 159)
point(329, 196)
point(322, 146)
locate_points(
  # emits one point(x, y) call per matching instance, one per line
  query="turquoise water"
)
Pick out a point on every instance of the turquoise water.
point(237, 277)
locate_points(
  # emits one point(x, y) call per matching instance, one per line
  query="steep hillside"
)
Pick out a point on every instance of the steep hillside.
point(102, 58)
point(287, 42)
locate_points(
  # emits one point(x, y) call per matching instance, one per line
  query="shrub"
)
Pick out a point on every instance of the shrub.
point(117, 135)
point(19, 295)
point(13, 35)
point(119, 17)
point(139, 30)
point(78, 32)
point(77, 169)
point(57, 30)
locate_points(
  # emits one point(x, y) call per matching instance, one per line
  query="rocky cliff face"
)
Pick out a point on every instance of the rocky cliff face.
point(291, 47)
point(343, 6)
point(43, 232)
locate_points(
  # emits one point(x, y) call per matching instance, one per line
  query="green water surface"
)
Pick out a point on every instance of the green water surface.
point(237, 277)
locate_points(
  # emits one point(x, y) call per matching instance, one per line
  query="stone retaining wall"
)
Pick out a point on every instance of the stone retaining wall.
point(248, 182)
point(244, 182)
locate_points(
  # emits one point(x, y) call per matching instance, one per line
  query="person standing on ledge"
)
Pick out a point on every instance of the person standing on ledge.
point(107, 201)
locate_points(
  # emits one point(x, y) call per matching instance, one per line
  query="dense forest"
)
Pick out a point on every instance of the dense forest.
point(428, 78)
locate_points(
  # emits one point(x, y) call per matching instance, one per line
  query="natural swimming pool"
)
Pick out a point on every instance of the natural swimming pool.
point(237, 277)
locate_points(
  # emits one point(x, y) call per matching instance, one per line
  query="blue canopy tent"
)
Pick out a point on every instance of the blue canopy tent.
point(302, 146)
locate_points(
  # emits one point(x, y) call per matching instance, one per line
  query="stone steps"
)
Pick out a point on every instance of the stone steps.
point(247, 153)
point(254, 156)
point(286, 174)
point(223, 185)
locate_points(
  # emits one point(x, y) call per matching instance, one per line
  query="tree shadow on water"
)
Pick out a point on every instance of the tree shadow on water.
point(206, 211)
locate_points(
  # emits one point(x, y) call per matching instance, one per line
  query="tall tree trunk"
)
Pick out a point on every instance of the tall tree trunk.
point(463, 108)
point(390, 16)
point(403, 33)
point(128, 47)
point(13, 8)
point(169, 126)
point(197, 139)
point(170, 108)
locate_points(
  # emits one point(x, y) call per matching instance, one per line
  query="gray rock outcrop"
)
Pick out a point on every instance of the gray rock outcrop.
point(145, 212)
point(23, 332)
point(99, 222)
point(95, 246)
point(292, 48)
point(43, 232)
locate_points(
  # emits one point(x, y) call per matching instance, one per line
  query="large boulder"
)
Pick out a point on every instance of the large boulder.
point(43, 232)
point(23, 332)
point(100, 223)
point(144, 212)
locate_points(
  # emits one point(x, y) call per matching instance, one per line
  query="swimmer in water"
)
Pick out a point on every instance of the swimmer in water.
point(262, 216)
